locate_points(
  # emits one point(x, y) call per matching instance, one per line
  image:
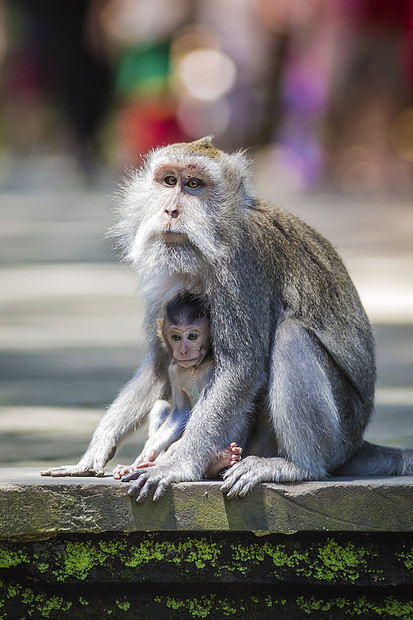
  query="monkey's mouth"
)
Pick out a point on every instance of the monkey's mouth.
point(188, 363)
point(171, 236)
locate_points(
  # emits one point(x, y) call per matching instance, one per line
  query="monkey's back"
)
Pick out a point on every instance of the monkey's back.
point(315, 289)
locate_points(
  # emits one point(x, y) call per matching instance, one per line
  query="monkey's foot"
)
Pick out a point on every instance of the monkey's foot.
point(239, 480)
point(226, 458)
point(242, 478)
point(72, 470)
point(122, 470)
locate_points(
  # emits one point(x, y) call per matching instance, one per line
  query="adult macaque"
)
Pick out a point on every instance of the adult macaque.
point(294, 352)
point(185, 334)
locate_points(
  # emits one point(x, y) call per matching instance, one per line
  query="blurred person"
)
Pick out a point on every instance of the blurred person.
point(74, 71)
point(139, 33)
point(371, 93)
point(313, 36)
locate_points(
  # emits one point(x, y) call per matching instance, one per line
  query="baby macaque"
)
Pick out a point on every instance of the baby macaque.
point(185, 334)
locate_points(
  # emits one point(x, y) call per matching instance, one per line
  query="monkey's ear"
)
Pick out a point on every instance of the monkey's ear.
point(239, 169)
point(241, 162)
point(159, 332)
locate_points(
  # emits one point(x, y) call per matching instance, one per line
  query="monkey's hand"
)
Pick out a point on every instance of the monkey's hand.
point(81, 469)
point(156, 479)
point(243, 476)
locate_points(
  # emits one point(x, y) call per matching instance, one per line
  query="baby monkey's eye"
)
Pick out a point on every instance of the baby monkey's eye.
point(170, 180)
point(193, 336)
point(194, 184)
point(176, 337)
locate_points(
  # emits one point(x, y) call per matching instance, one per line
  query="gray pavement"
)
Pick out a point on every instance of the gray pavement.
point(70, 322)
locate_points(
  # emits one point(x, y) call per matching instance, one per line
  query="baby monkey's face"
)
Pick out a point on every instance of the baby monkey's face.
point(189, 343)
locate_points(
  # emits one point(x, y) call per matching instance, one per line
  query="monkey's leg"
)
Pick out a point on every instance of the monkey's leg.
point(127, 411)
point(158, 416)
point(302, 401)
point(168, 433)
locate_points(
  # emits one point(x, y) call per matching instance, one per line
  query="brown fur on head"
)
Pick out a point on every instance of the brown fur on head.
point(204, 146)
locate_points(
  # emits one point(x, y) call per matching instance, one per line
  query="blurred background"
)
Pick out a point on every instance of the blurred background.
point(319, 92)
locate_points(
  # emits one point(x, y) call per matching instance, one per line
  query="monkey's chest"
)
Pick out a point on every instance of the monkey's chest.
point(192, 392)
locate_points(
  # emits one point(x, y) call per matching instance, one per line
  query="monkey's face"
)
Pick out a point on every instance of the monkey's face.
point(180, 222)
point(181, 208)
point(189, 343)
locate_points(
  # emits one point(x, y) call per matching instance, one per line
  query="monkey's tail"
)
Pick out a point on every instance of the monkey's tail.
point(372, 460)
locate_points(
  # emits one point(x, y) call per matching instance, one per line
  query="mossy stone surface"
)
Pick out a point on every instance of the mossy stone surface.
point(95, 505)
point(81, 548)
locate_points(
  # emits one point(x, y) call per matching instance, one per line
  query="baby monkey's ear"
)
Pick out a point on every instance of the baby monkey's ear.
point(160, 332)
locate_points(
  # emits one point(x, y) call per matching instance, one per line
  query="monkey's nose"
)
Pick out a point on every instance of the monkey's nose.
point(172, 212)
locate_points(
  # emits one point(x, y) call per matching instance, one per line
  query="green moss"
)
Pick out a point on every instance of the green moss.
point(11, 559)
point(336, 561)
point(215, 607)
point(246, 555)
point(389, 608)
point(192, 551)
point(78, 559)
point(197, 607)
point(329, 562)
point(43, 567)
point(46, 606)
point(124, 605)
point(282, 558)
point(228, 609)
point(406, 558)
point(13, 591)
point(42, 604)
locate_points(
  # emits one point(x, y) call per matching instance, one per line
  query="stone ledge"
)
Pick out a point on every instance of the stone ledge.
point(33, 507)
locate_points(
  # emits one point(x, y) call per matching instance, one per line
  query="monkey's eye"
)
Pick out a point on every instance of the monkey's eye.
point(194, 184)
point(176, 337)
point(170, 180)
point(193, 336)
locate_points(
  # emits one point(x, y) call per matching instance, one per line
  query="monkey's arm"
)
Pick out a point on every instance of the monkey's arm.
point(126, 412)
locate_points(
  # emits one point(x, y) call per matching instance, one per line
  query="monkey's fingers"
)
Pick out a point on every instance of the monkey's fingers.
point(160, 490)
point(121, 470)
point(71, 470)
point(239, 480)
point(135, 488)
point(144, 491)
point(146, 482)
point(133, 475)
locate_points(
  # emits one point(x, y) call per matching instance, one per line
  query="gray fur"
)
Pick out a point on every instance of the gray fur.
point(294, 351)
